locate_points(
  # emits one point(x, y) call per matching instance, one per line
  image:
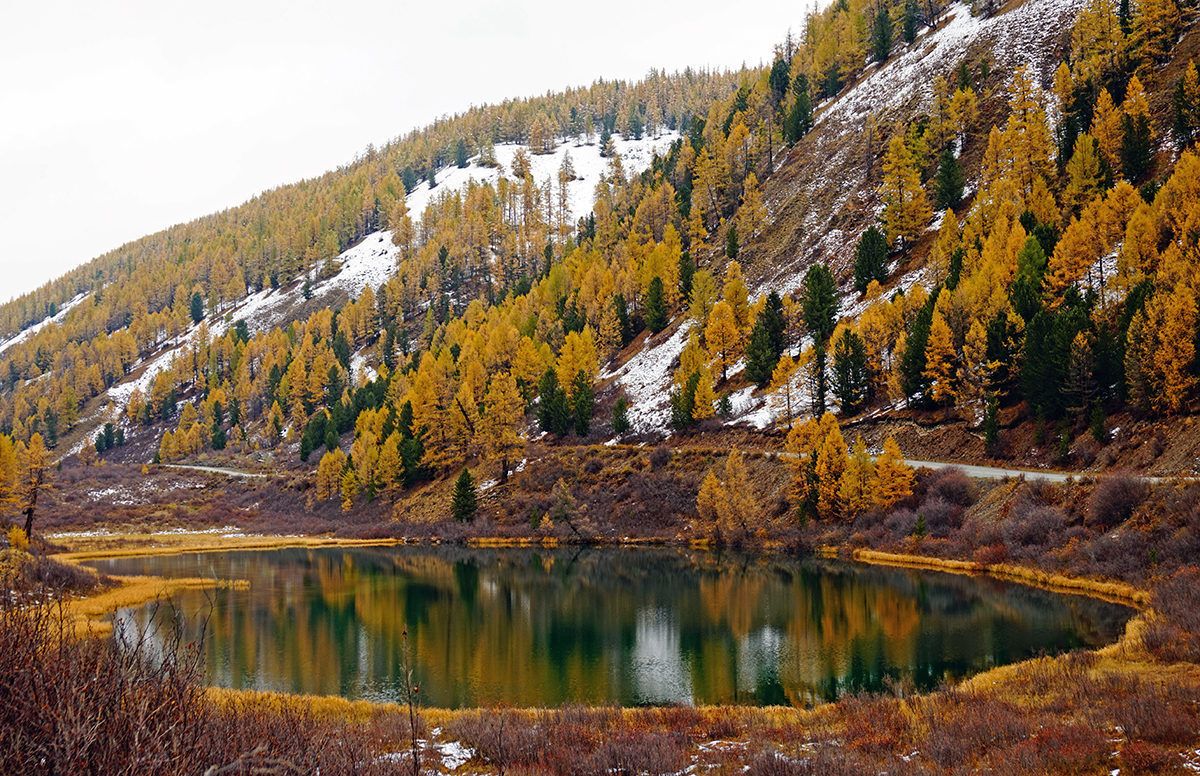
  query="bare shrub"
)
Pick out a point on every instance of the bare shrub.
point(501, 736)
point(1115, 499)
point(1174, 630)
point(127, 704)
point(1141, 757)
point(966, 725)
point(900, 523)
point(660, 457)
point(638, 752)
point(1037, 526)
point(951, 485)
point(941, 516)
point(1148, 711)
point(875, 724)
point(1062, 749)
point(23, 572)
point(775, 764)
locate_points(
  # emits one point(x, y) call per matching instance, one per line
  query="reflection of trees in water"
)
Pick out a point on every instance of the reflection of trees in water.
point(538, 626)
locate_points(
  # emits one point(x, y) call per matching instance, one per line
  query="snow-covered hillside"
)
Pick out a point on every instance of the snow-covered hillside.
point(636, 156)
point(823, 194)
point(367, 264)
point(28, 332)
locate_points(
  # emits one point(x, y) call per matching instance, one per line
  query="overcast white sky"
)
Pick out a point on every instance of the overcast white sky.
point(121, 117)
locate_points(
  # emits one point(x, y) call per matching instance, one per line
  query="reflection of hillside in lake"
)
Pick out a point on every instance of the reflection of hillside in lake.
point(546, 627)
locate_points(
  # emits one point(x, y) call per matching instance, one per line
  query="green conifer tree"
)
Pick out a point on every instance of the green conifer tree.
point(950, 182)
point(870, 258)
point(466, 500)
point(656, 306)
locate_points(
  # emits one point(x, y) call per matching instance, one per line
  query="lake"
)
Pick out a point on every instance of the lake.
point(544, 627)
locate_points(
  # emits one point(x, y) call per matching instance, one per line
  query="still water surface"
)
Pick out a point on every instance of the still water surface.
point(546, 627)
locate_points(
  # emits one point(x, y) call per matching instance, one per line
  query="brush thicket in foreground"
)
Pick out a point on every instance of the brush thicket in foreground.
point(112, 705)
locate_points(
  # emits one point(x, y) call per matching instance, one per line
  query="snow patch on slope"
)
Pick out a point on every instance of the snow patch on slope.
point(28, 332)
point(897, 90)
point(369, 263)
point(636, 156)
point(646, 380)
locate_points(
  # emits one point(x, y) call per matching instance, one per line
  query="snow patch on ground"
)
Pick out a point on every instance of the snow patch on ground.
point(453, 754)
point(895, 90)
point(369, 263)
point(28, 332)
point(646, 380)
point(360, 370)
point(636, 156)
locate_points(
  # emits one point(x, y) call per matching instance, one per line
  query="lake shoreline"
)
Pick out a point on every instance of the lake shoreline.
point(92, 613)
point(1109, 591)
point(1020, 685)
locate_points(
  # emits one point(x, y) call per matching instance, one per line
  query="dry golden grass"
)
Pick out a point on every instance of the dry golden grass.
point(337, 707)
point(128, 545)
point(512, 541)
point(1107, 590)
point(88, 615)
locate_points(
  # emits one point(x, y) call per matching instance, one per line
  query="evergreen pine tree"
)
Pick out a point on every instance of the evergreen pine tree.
point(950, 182)
point(912, 16)
point(799, 120)
point(197, 307)
point(1048, 338)
point(912, 363)
point(1136, 147)
point(870, 258)
point(850, 379)
point(1026, 290)
point(466, 500)
point(776, 324)
point(583, 402)
point(554, 410)
point(881, 34)
point(760, 356)
point(687, 270)
point(683, 402)
point(991, 425)
point(621, 424)
point(460, 153)
point(819, 302)
point(656, 306)
point(731, 241)
point(778, 79)
point(623, 322)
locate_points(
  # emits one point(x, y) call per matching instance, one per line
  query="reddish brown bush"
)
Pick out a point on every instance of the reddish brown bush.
point(1174, 631)
point(1114, 500)
point(1056, 749)
point(951, 485)
point(1141, 757)
point(1148, 711)
point(127, 706)
point(966, 726)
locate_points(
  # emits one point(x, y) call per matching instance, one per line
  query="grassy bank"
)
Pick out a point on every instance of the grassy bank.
point(1129, 705)
point(1105, 590)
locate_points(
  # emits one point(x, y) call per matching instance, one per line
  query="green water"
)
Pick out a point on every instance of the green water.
point(547, 627)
